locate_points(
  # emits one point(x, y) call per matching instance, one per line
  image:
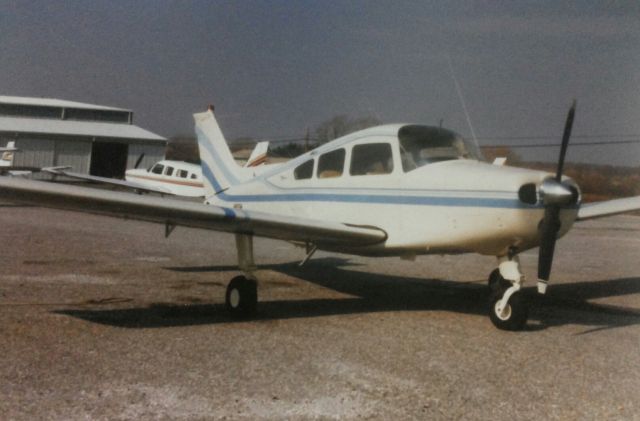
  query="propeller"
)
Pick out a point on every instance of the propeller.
point(139, 160)
point(555, 195)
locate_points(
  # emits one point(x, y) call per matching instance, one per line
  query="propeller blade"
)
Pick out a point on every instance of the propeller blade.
point(139, 160)
point(548, 235)
point(565, 140)
point(555, 195)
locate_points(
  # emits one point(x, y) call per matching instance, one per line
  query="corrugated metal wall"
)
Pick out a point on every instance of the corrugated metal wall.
point(72, 153)
point(34, 152)
point(152, 154)
point(75, 153)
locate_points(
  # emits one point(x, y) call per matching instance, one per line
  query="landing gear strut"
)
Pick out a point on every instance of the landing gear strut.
point(241, 298)
point(508, 309)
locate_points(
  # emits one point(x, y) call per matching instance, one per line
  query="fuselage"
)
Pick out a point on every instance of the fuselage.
point(429, 202)
point(178, 177)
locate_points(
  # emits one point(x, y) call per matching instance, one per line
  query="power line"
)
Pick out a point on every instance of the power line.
point(503, 145)
point(553, 145)
point(584, 136)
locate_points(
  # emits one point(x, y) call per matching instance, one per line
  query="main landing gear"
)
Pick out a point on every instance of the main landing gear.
point(241, 298)
point(508, 309)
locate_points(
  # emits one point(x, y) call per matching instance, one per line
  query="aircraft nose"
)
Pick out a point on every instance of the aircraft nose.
point(560, 193)
point(550, 192)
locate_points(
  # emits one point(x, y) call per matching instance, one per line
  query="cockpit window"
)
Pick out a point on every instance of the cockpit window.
point(303, 171)
point(157, 169)
point(371, 159)
point(331, 164)
point(421, 145)
point(169, 171)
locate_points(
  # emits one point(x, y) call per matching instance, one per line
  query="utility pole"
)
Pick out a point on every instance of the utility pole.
point(306, 141)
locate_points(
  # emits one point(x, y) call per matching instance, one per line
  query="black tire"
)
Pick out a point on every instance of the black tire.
point(241, 298)
point(516, 313)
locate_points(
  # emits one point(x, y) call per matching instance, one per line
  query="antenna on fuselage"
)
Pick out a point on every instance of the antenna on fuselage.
point(464, 105)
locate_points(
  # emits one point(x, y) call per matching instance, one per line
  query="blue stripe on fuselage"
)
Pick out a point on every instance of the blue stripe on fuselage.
point(481, 202)
point(208, 174)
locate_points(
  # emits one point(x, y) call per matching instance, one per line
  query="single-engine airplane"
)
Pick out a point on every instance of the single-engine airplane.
point(393, 190)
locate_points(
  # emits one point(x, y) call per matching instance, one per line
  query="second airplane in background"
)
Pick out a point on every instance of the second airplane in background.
point(176, 178)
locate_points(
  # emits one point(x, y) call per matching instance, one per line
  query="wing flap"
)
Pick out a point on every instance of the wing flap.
point(608, 208)
point(189, 214)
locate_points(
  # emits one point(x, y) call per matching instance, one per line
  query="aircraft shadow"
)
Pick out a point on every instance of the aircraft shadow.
point(369, 293)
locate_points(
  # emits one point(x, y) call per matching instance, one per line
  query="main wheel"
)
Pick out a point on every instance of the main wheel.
point(241, 297)
point(515, 314)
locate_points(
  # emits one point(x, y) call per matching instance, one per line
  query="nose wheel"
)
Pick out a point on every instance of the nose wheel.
point(241, 298)
point(508, 307)
point(513, 315)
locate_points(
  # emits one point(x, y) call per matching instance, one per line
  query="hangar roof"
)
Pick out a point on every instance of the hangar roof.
point(51, 102)
point(77, 128)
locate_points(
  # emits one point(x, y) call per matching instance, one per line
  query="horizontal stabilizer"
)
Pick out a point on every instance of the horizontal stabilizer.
point(608, 208)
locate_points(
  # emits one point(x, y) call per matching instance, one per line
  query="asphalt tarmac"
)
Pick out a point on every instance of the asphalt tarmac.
point(103, 318)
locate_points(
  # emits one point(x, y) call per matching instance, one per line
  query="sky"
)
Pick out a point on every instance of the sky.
point(275, 68)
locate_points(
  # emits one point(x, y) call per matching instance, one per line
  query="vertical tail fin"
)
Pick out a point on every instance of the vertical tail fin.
point(258, 155)
point(219, 169)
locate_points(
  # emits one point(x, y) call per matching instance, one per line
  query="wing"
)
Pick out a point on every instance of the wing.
point(4, 170)
point(608, 208)
point(177, 212)
point(111, 181)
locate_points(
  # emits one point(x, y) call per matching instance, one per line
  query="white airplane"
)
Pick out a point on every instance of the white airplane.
point(177, 178)
point(393, 190)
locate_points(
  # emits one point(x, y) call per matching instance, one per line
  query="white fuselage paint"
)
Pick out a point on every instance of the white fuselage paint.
point(180, 178)
point(452, 206)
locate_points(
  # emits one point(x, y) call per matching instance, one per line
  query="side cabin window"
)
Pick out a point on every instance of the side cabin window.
point(157, 169)
point(371, 159)
point(331, 164)
point(169, 171)
point(303, 171)
point(193, 176)
point(182, 173)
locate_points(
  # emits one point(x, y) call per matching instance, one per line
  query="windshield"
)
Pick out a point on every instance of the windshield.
point(421, 145)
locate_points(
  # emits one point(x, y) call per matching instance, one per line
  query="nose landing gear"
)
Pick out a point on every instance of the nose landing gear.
point(508, 309)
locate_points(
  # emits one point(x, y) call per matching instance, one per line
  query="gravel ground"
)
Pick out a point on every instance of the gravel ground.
point(105, 319)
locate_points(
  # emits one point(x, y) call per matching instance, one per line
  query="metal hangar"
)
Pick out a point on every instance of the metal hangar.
point(91, 139)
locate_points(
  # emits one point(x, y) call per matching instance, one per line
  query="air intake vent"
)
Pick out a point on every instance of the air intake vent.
point(528, 194)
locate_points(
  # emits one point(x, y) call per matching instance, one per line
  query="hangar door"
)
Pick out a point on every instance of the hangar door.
point(108, 159)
